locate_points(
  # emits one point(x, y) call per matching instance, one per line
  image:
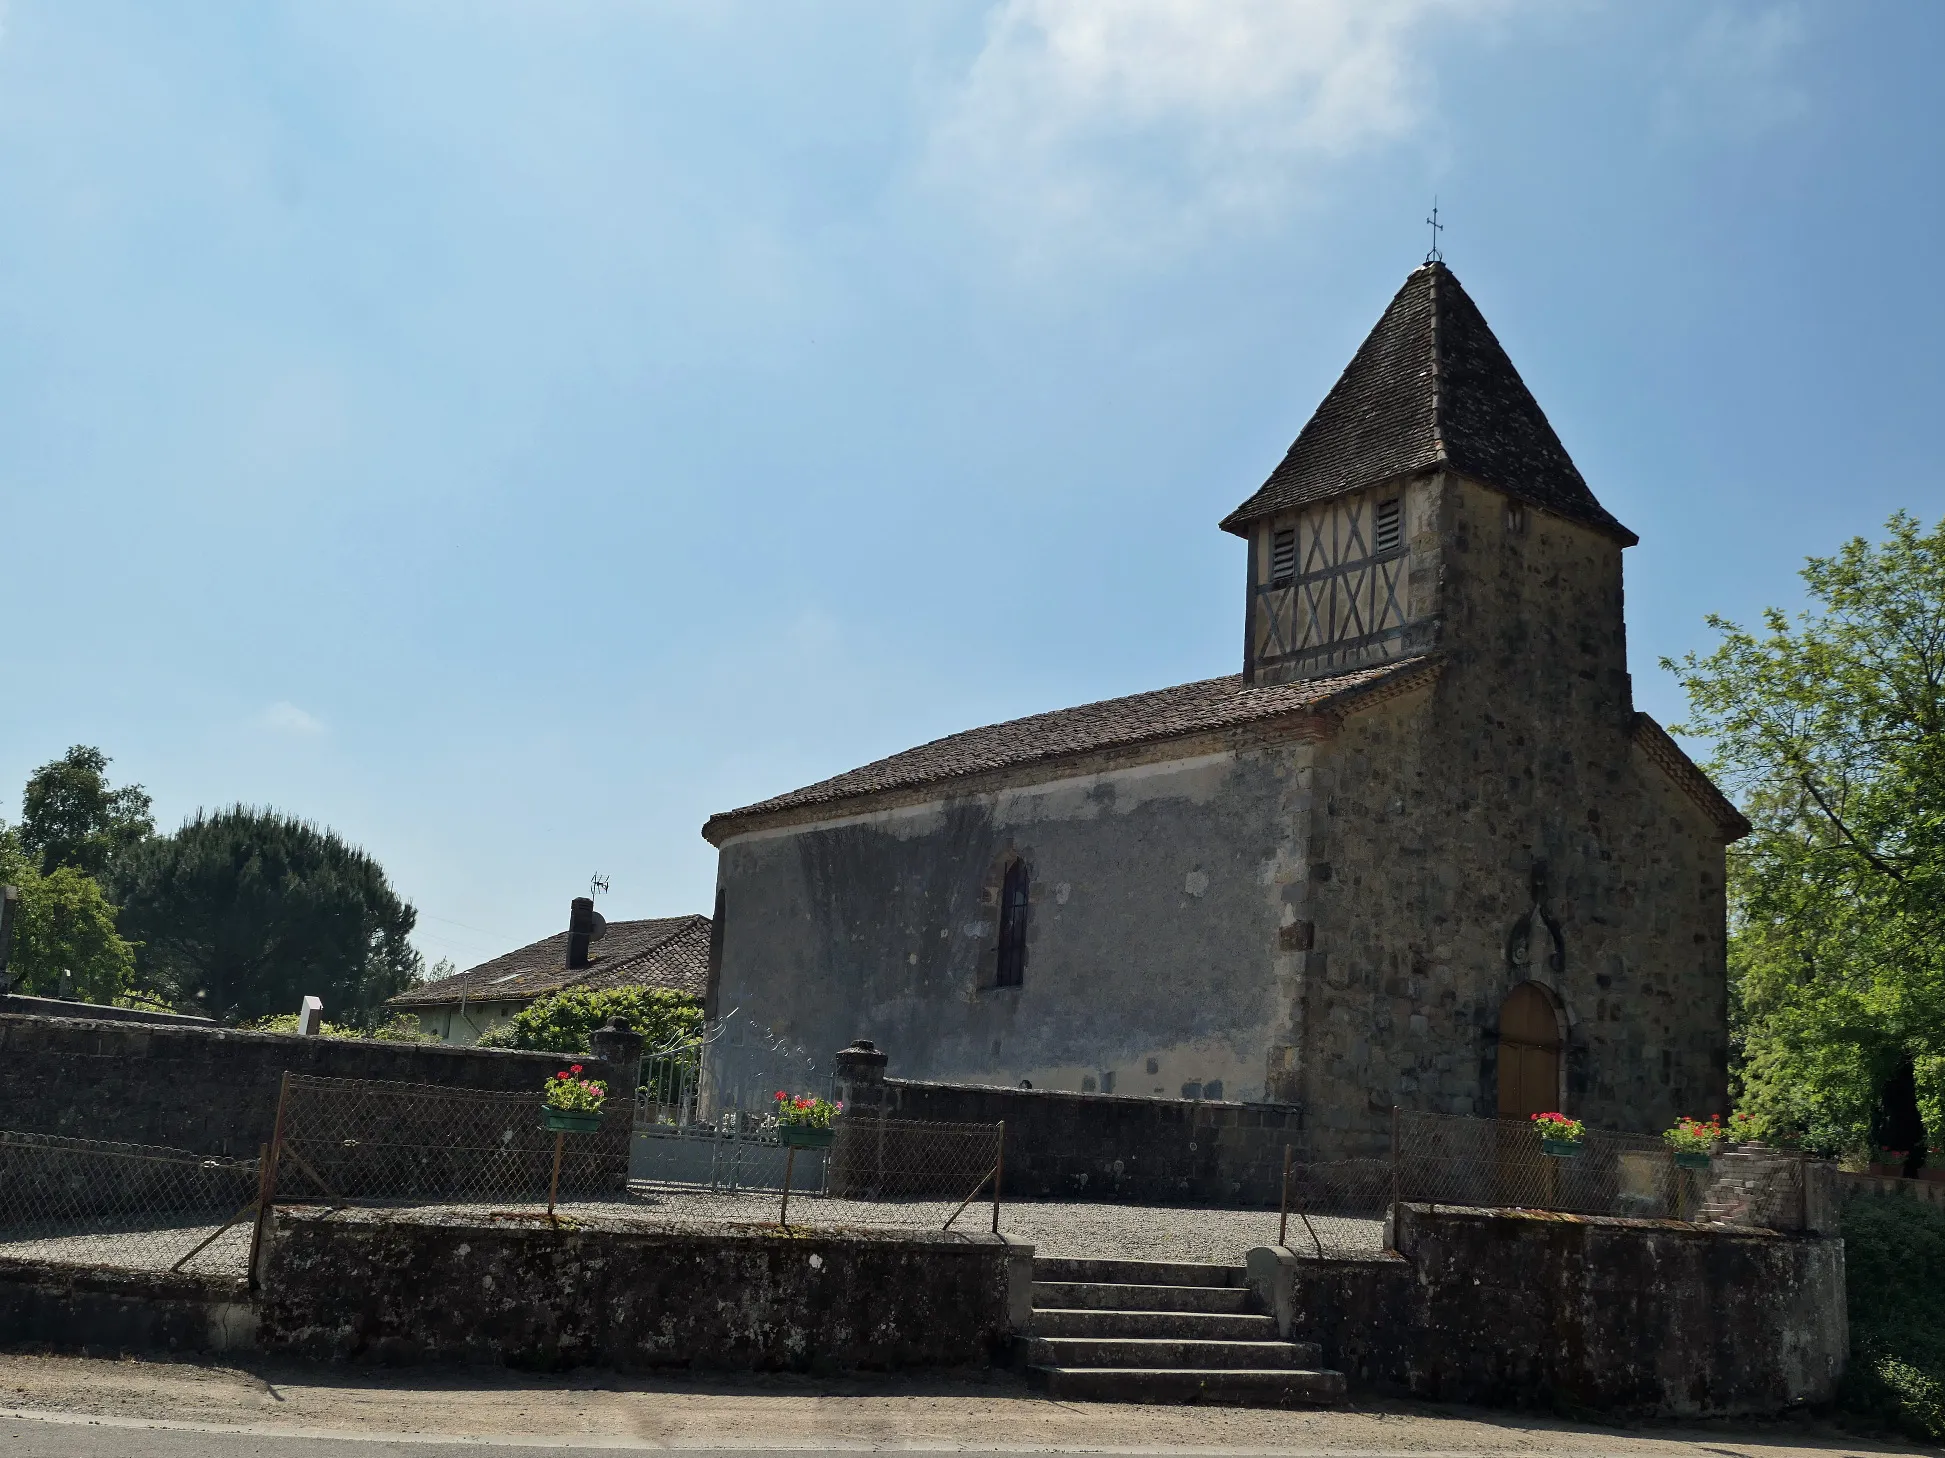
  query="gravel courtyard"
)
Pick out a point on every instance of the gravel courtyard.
point(1056, 1228)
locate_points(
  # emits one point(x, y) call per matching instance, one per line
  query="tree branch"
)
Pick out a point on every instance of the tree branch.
point(1844, 830)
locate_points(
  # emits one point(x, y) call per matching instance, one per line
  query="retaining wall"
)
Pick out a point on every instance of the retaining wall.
point(110, 1313)
point(394, 1287)
point(213, 1091)
point(1098, 1146)
point(1523, 1308)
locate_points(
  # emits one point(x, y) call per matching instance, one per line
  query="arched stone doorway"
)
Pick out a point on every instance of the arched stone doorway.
point(1529, 1052)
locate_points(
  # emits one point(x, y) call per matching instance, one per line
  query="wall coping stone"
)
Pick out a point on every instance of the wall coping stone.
point(21, 1004)
point(172, 1033)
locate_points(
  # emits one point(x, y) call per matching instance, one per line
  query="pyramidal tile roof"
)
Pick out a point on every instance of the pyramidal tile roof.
point(1430, 387)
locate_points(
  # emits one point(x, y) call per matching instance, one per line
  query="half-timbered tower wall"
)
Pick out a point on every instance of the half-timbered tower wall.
point(1343, 584)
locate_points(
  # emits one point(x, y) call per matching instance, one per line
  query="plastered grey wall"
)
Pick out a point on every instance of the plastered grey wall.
point(1151, 911)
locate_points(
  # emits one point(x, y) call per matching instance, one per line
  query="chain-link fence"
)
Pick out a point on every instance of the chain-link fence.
point(347, 1141)
point(127, 1206)
point(1337, 1208)
point(873, 1172)
point(1446, 1159)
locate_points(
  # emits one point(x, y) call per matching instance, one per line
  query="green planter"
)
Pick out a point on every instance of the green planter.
point(1560, 1148)
point(802, 1136)
point(1692, 1159)
point(570, 1121)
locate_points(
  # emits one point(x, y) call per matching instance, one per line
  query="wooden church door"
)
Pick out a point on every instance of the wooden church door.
point(1529, 1054)
point(1529, 1083)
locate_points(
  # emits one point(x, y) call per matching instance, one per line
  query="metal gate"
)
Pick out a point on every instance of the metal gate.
point(705, 1115)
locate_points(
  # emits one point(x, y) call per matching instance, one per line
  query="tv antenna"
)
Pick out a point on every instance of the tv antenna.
point(596, 885)
point(1437, 228)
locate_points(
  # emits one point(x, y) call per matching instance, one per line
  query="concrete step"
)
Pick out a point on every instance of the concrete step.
point(1167, 1352)
point(1200, 1325)
point(1260, 1387)
point(1118, 1296)
point(1139, 1273)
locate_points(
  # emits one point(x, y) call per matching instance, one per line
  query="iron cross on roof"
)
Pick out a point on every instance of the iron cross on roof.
point(1437, 228)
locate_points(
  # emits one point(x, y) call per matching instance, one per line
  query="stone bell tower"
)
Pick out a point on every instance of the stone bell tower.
point(1355, 537)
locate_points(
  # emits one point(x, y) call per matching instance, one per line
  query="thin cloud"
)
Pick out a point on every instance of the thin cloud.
point(1736, 73)
point(1144, 123)
point(285, 717)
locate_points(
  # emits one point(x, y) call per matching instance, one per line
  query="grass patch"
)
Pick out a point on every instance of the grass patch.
point(1894, 1266)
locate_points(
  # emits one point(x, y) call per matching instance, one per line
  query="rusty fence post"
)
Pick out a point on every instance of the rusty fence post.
point(267, 1181)
point(999, 1171)
point(789, 1166)
point(1394, 1176)
point(1283, 1214)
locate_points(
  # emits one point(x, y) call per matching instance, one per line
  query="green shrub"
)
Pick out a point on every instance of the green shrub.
point(1894, 1266)
point(399, 1028)
point(562, 1022)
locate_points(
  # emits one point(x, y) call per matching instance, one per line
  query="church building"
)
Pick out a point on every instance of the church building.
point(1421, 851)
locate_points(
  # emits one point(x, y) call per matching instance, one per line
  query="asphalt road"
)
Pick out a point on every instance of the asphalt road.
point(74, 1436)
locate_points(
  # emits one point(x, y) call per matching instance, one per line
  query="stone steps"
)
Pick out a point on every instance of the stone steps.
point(1196, 1325)
point(1235, 1388)
point(1164, 1331)
point(1135, 1273)
point(1116, 1296)
point(1163, 1352)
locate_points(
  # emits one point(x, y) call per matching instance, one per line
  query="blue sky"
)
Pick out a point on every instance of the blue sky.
point(507, 433)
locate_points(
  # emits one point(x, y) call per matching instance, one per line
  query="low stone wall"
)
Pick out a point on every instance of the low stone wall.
point(1931, 1191)
point(211, 1090)
point(111, 1313)
point(1097, 1146)
point(395, 1287)
point(56, 1007)
point(1522, 1308)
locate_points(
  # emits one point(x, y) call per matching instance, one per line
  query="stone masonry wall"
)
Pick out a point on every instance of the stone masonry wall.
point(1432, 813)
point(383, 1286)
point(1519, 1308)
point(1098, 1146)
point(214, 1090)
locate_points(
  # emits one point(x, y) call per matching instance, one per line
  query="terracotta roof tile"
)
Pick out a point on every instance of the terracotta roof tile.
point(666, 951)
point(1190, 708)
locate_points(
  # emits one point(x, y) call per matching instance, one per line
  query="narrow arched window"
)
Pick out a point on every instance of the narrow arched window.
point(1013, 927)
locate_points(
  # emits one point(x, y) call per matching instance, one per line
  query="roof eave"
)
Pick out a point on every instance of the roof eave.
point(1312, 721)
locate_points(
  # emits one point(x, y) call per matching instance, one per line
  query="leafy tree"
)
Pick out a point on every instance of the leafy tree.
point(70, 817)
point(1831, 730)
point(62, 924)
point(245, 911)
point(563, 1021)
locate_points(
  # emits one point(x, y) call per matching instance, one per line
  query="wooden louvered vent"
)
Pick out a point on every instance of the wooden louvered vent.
point(1283, 555)
point(1391, 525)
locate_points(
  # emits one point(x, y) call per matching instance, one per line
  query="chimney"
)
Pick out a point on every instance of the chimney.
point(580, 930)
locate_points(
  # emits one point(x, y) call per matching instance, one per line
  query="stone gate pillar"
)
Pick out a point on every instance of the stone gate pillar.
point(860, 1077)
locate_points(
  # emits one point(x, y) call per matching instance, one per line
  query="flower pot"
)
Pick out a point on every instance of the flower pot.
point(570, 1121)
point(1692, 1159)
point(1560, 1148)
point(802, 1136)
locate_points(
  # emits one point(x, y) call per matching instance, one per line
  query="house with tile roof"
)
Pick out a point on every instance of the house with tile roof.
point(1421, 851)
point(666, 951)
